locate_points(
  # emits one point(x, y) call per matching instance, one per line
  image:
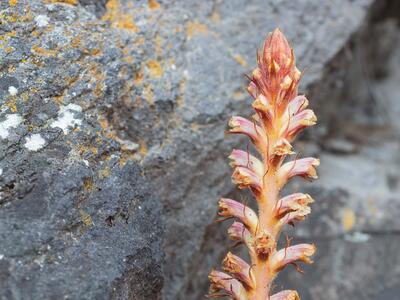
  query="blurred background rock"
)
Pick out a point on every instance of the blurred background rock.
point(113, 154)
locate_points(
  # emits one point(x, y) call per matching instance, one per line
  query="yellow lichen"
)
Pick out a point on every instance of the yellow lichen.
point(85, 218)
point(194, 28)
point(44, 52)
point(240, 59)
point(12, 2)
point(88, 184)
point(155, 69)
point(148, 94)
point(105, 172)
point(143, 147)
point(348, 219)
point(71, 2)
point(117, 17)
point(153, 4)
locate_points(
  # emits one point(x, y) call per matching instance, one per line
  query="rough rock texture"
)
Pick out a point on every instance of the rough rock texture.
point(112, 147)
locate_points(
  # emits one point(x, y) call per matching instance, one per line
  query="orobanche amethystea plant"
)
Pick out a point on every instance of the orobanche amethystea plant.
point(280, 114)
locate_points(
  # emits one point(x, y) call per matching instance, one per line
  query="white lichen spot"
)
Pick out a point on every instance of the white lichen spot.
point(42, 20)
point(11, 121)
point(34, 142)
point(357, 237)
point(12, 90)
point(1, 256)
point(86, 162)
point(1, 172)
point(66, 117)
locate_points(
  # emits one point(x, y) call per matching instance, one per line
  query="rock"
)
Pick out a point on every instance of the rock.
point(113, 151)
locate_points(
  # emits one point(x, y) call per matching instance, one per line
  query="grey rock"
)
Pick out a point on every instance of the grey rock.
point(113, 151)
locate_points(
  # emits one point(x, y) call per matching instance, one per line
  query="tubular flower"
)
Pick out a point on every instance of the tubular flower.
point(280, 114)
point(239, 233)
point(286, 295)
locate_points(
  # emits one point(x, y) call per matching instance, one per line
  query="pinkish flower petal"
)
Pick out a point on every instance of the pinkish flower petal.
point(238, 232)
point(245, 178)
point(286, 295)
point(291, 203)
point(239, 269)
point(252, 89)
point(289, 255)
point(298, 122)
point(244, 126)
point(297, 105)
point(244, 159)
point(223, 284)
point(231, 208)
point(304, 167)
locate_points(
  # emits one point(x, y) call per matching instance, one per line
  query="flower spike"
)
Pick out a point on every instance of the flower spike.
point(280, 115)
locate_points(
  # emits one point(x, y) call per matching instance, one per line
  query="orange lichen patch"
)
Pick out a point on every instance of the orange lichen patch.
point(12, 104)
point(71, 2)
point(153, 4)
point(59, 99)
point(155, 69)
point(12, 2)
point(86, 149)
point(44, 52)
point(148, 94)
point(117, 18)
point(8, 18)
point(105, 172)
point(85, 218)
point(194, 28)
point(240, 60)
point(143, 147)
point(348, 219)
point(88, 184)
point(103, 123)
point(138, 78)
point(8, 50)
point(159, 41)
point(76, 42)
point(11, 34)
point(11, 69)
point(25, 96)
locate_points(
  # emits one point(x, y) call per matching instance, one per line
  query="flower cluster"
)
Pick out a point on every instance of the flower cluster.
point(280, 114)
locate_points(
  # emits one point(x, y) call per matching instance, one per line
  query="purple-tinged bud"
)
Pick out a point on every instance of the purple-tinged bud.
point(233, 209)
point(239, 269)
point(304, 167)
point(244, 159)
point(223, 285)
point(286, 295)
point(290, 255)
